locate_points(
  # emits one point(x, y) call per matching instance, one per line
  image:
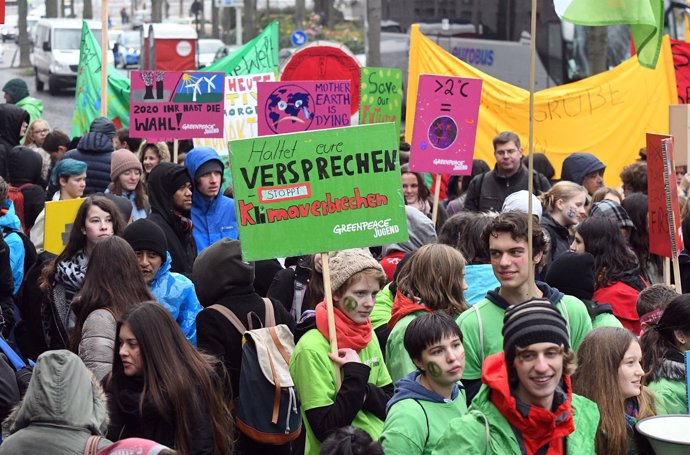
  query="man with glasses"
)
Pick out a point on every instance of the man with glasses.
point(487, 192)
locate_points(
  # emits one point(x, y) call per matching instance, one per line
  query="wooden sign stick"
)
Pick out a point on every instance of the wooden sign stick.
point(437, 192)
point(326, 271)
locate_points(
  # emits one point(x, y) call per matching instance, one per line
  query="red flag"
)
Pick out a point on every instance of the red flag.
point(2, 11)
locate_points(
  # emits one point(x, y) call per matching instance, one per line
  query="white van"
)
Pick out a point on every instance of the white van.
point(55, 55)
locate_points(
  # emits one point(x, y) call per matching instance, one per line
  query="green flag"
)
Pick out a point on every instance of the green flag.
point(87, 97)
point(646, 19)
point(260, 55)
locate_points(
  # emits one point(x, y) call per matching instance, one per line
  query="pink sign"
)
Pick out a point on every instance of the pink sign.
point(295, 106)
point(445, 124)
point(167, 105)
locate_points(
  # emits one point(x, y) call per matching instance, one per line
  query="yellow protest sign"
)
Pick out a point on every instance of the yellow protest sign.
point(607, 114)
point(59, 218)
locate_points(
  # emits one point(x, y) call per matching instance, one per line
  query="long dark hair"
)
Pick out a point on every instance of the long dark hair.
point(77, 239)
point(637, 205)
point(423, 191)
point(140, 198)
point(179, 380)
point(660, 339)
point(102, 288)
point(612, 257)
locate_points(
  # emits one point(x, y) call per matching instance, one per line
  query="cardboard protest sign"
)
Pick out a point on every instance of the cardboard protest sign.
point(169, 105)
point(60, 216)
point(240, 115)
point(291, 107)
point(381, 96)
point(663, 198)
point(318, 191)
point(445, 124)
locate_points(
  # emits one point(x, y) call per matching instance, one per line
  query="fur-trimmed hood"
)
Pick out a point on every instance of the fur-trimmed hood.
point(62, 393)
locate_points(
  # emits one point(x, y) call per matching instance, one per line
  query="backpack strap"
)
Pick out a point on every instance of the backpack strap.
point(487, 428)
point(91, 447)
point(270, 319)
point(230, 316)
point(426, 417)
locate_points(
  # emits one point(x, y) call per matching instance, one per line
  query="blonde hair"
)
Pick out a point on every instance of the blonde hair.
point(435, 274)
point(562, 190)
point(160, 147)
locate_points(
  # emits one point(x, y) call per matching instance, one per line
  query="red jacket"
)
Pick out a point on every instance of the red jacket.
point(623, 301)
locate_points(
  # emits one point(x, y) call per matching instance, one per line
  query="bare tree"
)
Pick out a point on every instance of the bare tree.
point(157, 11)
point(597, 49)
point(215, 21)
point(24, 48)
point(88, 9)
point(300, 13)
point(373, 32)
point(250, 29)
point(51, 8)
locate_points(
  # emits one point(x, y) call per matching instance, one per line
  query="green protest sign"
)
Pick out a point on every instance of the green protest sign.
point(318, 191)
point(381, 96)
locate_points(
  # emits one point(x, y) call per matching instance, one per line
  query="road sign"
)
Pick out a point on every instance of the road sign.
point(298, 38)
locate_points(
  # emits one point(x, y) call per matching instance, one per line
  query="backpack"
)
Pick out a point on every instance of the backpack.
point(30, 255)
point(266, 408)
point(15, 194)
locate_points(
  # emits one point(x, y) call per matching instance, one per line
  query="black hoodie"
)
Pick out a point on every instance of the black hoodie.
point(24, 171)
point(11, 119)
point(164, 180)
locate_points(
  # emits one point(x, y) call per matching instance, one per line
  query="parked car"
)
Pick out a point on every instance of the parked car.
point(207, 50)
point(55, 55)
point(225, 51)
point(8, 30)
point(127, 49)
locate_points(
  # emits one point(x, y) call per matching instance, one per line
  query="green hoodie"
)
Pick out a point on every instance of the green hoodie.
point(33, 106)
point(63, 406)
point(19, 92)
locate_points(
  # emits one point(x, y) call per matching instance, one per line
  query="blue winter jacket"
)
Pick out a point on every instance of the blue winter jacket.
point(176, 293)
point(212, 220)
point(10, 222)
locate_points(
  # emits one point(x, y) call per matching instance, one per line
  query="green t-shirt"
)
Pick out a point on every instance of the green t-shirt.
point(398, 361)
point(381, 313)
point(482, 324)
point(415, 426)
point(314, 376)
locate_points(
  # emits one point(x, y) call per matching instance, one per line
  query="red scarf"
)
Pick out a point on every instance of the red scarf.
point(348, 334)
point(402, 306)
point(542, 426)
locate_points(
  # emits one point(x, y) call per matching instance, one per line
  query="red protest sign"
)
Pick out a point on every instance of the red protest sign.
point(663, 197)
point(2, 11)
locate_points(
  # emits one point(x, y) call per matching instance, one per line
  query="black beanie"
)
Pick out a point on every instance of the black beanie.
point(572, 274)
point(146, 235)
point(534, 321)
point(176, 178)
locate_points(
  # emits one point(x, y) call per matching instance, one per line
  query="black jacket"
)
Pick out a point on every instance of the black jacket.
point(126, 420)
point(11, 119)
point(559, 236)
point(95, 149)
point(24, 171)
point(486, 192)
point(181, 245)
point(217, 336)
point(6, 290)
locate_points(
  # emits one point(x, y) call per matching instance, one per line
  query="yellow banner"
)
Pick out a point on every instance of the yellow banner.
point(60, 216)
point(607, 114)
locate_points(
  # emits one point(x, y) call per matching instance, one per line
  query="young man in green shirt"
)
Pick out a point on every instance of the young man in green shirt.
point(506, 238)
point(428, 398)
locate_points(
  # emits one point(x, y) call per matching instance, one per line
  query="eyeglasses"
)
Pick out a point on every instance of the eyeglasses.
point(43, 131)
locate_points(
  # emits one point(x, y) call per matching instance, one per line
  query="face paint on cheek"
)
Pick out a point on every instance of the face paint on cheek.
point(434, 369)
point(349, 304)
point(571, 213)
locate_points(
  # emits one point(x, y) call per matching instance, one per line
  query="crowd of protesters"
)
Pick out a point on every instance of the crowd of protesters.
point(143, 327)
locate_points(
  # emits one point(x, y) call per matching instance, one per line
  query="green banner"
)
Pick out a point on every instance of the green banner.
point(260, 55)
point(380, 96)
point(87, 95)
point(318, 191)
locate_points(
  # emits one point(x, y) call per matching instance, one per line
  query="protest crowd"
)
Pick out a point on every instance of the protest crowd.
point(486, 328)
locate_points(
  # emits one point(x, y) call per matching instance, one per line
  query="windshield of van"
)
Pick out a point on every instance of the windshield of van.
point(67, 39)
